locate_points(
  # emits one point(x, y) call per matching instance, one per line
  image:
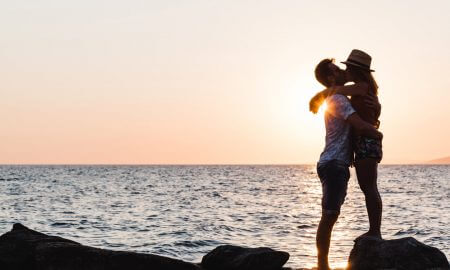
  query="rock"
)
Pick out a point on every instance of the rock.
point(228, 257)
point(23, 248)
point(399, 254)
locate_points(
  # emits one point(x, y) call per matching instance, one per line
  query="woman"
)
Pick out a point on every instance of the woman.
point(368, 151)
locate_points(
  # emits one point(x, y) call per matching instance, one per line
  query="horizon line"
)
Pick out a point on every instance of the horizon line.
point(192, 164)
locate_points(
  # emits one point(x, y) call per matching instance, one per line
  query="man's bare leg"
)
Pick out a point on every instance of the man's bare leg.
point(323, 236)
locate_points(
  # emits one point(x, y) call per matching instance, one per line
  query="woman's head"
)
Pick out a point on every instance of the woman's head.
point(357, 74)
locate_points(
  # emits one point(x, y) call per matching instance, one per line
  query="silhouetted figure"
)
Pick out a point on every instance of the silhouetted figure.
point(333, 166)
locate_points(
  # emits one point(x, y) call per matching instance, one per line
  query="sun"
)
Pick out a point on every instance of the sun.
point(292, 104)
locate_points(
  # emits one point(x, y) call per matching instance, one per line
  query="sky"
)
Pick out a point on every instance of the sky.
point(211, 82)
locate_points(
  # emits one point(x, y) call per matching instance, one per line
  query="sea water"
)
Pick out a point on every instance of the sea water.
point(186, 211)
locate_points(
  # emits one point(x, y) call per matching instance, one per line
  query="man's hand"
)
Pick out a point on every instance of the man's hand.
point(371, 101)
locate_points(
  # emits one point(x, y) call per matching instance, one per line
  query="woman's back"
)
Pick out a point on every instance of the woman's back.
point(368, 114)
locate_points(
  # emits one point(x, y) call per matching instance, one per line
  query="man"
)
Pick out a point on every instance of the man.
point(333, 166)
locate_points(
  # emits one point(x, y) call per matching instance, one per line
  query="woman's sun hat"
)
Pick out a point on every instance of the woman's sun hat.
point(358, 58)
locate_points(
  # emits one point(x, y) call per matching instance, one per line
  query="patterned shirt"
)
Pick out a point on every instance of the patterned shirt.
point(338, 131)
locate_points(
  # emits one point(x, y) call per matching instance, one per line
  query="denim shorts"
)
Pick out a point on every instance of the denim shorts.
point(334, 175)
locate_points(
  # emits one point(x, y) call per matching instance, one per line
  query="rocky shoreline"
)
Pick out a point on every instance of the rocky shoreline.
point(23, 248)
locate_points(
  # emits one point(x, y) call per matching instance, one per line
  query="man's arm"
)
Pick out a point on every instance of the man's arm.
point(363, 127)
point(340, 107)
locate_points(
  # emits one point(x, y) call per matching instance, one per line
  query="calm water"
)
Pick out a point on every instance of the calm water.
point(185, 211)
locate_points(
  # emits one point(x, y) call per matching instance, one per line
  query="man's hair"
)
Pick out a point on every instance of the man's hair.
point(322, 71)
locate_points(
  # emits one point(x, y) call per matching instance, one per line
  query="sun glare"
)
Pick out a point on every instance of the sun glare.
point(323, 108)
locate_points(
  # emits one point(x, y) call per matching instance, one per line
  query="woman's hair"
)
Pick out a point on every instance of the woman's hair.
point(362, 75)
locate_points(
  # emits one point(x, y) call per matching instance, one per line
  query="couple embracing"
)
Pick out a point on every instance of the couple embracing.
point(352, 137)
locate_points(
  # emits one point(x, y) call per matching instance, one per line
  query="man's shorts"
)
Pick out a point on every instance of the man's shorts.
point(334, 175)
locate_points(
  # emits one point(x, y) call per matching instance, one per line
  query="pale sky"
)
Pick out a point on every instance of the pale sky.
point(211, 82)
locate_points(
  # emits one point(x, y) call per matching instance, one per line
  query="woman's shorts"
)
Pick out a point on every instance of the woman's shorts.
point(366, 147)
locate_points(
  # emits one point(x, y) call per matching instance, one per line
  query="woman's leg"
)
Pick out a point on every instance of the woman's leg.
point(366, 171)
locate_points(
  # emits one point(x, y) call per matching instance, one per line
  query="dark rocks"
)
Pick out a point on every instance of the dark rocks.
point(23, 248)
point(228, 257)
point(399, 254)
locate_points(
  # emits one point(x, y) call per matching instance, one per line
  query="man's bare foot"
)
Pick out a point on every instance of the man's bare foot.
point(369, 235)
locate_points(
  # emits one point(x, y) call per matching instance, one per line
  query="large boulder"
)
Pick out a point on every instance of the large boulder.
point(399, 254)
point(23, 248)
point(229, 257)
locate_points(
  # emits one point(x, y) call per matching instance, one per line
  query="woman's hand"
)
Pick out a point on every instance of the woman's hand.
point(319, 98)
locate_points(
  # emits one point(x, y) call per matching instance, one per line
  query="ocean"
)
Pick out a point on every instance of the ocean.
point(186, 211)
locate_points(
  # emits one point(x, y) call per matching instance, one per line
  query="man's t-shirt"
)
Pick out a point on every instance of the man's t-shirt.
point(337, 140)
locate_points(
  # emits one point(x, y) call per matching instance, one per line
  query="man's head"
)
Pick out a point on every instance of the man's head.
point(328, 74)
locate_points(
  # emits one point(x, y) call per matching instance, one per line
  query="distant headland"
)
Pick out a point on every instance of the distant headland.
point(444, 160)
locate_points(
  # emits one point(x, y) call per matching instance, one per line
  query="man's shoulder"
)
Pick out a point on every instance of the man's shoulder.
point(339, 106)
point(338, 99)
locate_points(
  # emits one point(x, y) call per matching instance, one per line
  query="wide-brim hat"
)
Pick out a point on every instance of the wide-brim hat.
point(360, 59)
